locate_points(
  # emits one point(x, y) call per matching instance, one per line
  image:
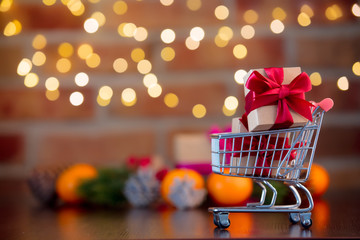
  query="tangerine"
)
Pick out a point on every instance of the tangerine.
point(70, 179)
point(180, 173)
point(318, 181)
point(227, 190)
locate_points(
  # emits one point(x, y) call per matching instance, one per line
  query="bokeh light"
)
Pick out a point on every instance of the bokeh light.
point(144, 66)
point(277, 26)
point(307, 9)
point(137, 54)
point(356, 68)
point(154, 90)
point(140, 34)
point(240, 51)
point(99, 17)
point(343, 83)
point(197, 33)
point(315, 79)
point(106, 92)
point(39, 42)
point(38, 59)
point(167, 35)
point(91, 25)
point(128, 97)
point(12, 28)
point(76, 98)
point(228, 112)
point(225, 33)
point(81, 79)
point(355, 9)
point(333, 12)
point(193, 5)
point(84, 51)
point(31, 80)
point(63, 65)
point(52, 95)
point(251, 16)
point(103, 102)
point(52, 84)
point(149, 80)
point(93, 60)
point(24, 67)
point(65, 50)
point(279, 13)
point(191, 44)
point(231, 103)
point(120, 7)
point(166, 2)
point(239, 76)
point(5, 5)
point(120, 65)
point(221, 12)
point(220, 42)
point(199, 111)
point(128, 29)
point(247, 31)
point(167, 54)
point(303, 19)
point(171, 100)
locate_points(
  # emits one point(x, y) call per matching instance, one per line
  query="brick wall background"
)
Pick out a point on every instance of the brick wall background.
point(35, 131)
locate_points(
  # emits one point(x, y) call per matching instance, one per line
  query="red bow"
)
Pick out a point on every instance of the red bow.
point(270, 91)
point(266, 149)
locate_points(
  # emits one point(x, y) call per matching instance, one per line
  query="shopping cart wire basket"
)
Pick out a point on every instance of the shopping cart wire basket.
point(279, 155)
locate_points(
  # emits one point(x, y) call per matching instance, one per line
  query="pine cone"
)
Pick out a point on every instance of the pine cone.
point(42, 184)
point(142, 189)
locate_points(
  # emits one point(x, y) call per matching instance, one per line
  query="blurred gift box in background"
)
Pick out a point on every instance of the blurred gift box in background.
point(98, 81)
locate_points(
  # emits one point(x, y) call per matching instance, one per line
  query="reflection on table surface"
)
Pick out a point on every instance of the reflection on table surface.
point(337, 215)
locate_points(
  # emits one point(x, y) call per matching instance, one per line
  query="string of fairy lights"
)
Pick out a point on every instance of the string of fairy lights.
point(92, 59)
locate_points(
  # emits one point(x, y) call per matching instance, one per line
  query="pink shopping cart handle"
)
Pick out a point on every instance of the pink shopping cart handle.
point(325, 104)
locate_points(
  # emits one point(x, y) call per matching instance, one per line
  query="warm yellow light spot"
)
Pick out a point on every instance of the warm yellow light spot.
point(137, 54)
point(225, 33)
point(94, 1)
point(91, 25)
point(105, 92)
point(93, 60)
point(99, 17)
point(240, 51)
point(129, 29)
point(140, 34)
point(79, 10)
point(149, 80)
point(49, 2)
point(221, 12)
point(167, 36)
point(231, 103)
point(120, 30)
point(277, 26)
point(103, 102)
point(81, 79)
point(31, 80)
point(303, 19)
point(75, 7)
point(228, 112)
point(171, 100)
point(250, 16)
point(197, 33)
point(333, 12)
point(166, 2)
point(84, 51)
point(315, 78)
point(120, 65)
point(356, 68)
point(144, 66)
point(193, 5)
point(12, 28)
point(24, 67)
point(128, 97)
point(65, 2)
point(52, 84)
point(239, 76)
point(307, 9)
point(5, 5)
point(65, 50)
point(167, 54)
point(220, 42)
point(154, 90)
point(76, 98)
point(38, 59)
point(52, 95)
point(247, 32)
point(199, 111)
point(39, 42)
point(63, 65)
point(120, 7)
point(343, 83)
point(279, 13)
point(355, 9)
point(191, 44)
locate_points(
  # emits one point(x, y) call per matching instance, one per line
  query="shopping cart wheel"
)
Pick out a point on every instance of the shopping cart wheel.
point(305, 219)
point(294, 217)
point(221, 220)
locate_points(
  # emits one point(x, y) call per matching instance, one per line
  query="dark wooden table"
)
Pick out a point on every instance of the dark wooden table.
point(337, 215)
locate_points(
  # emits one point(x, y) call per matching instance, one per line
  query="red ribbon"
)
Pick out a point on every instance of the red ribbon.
point(270, 91)
point(266, 150)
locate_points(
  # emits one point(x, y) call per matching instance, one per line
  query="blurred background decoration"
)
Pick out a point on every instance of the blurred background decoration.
point(97, 81)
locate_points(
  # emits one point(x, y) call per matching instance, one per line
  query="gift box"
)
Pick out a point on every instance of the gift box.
point(237, 126)
point(275, 98)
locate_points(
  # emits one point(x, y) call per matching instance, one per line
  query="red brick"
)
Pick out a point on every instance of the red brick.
point(260, 53)
point(211, 95)
point(99, 147)
point(328, 52)
point(11, 148)
point(31, 104)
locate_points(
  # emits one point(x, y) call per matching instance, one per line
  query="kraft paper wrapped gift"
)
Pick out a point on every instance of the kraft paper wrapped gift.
point(265, 117)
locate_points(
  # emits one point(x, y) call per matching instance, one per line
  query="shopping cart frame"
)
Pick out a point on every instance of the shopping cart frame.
point(260, 161)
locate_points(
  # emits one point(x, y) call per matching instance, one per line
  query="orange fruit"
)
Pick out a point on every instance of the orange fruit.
point(229, 191)
point(180, 173)
point(69, 180)
point(318, 181)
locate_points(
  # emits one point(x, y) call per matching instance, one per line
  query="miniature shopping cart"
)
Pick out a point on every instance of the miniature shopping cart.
point(281, 155)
